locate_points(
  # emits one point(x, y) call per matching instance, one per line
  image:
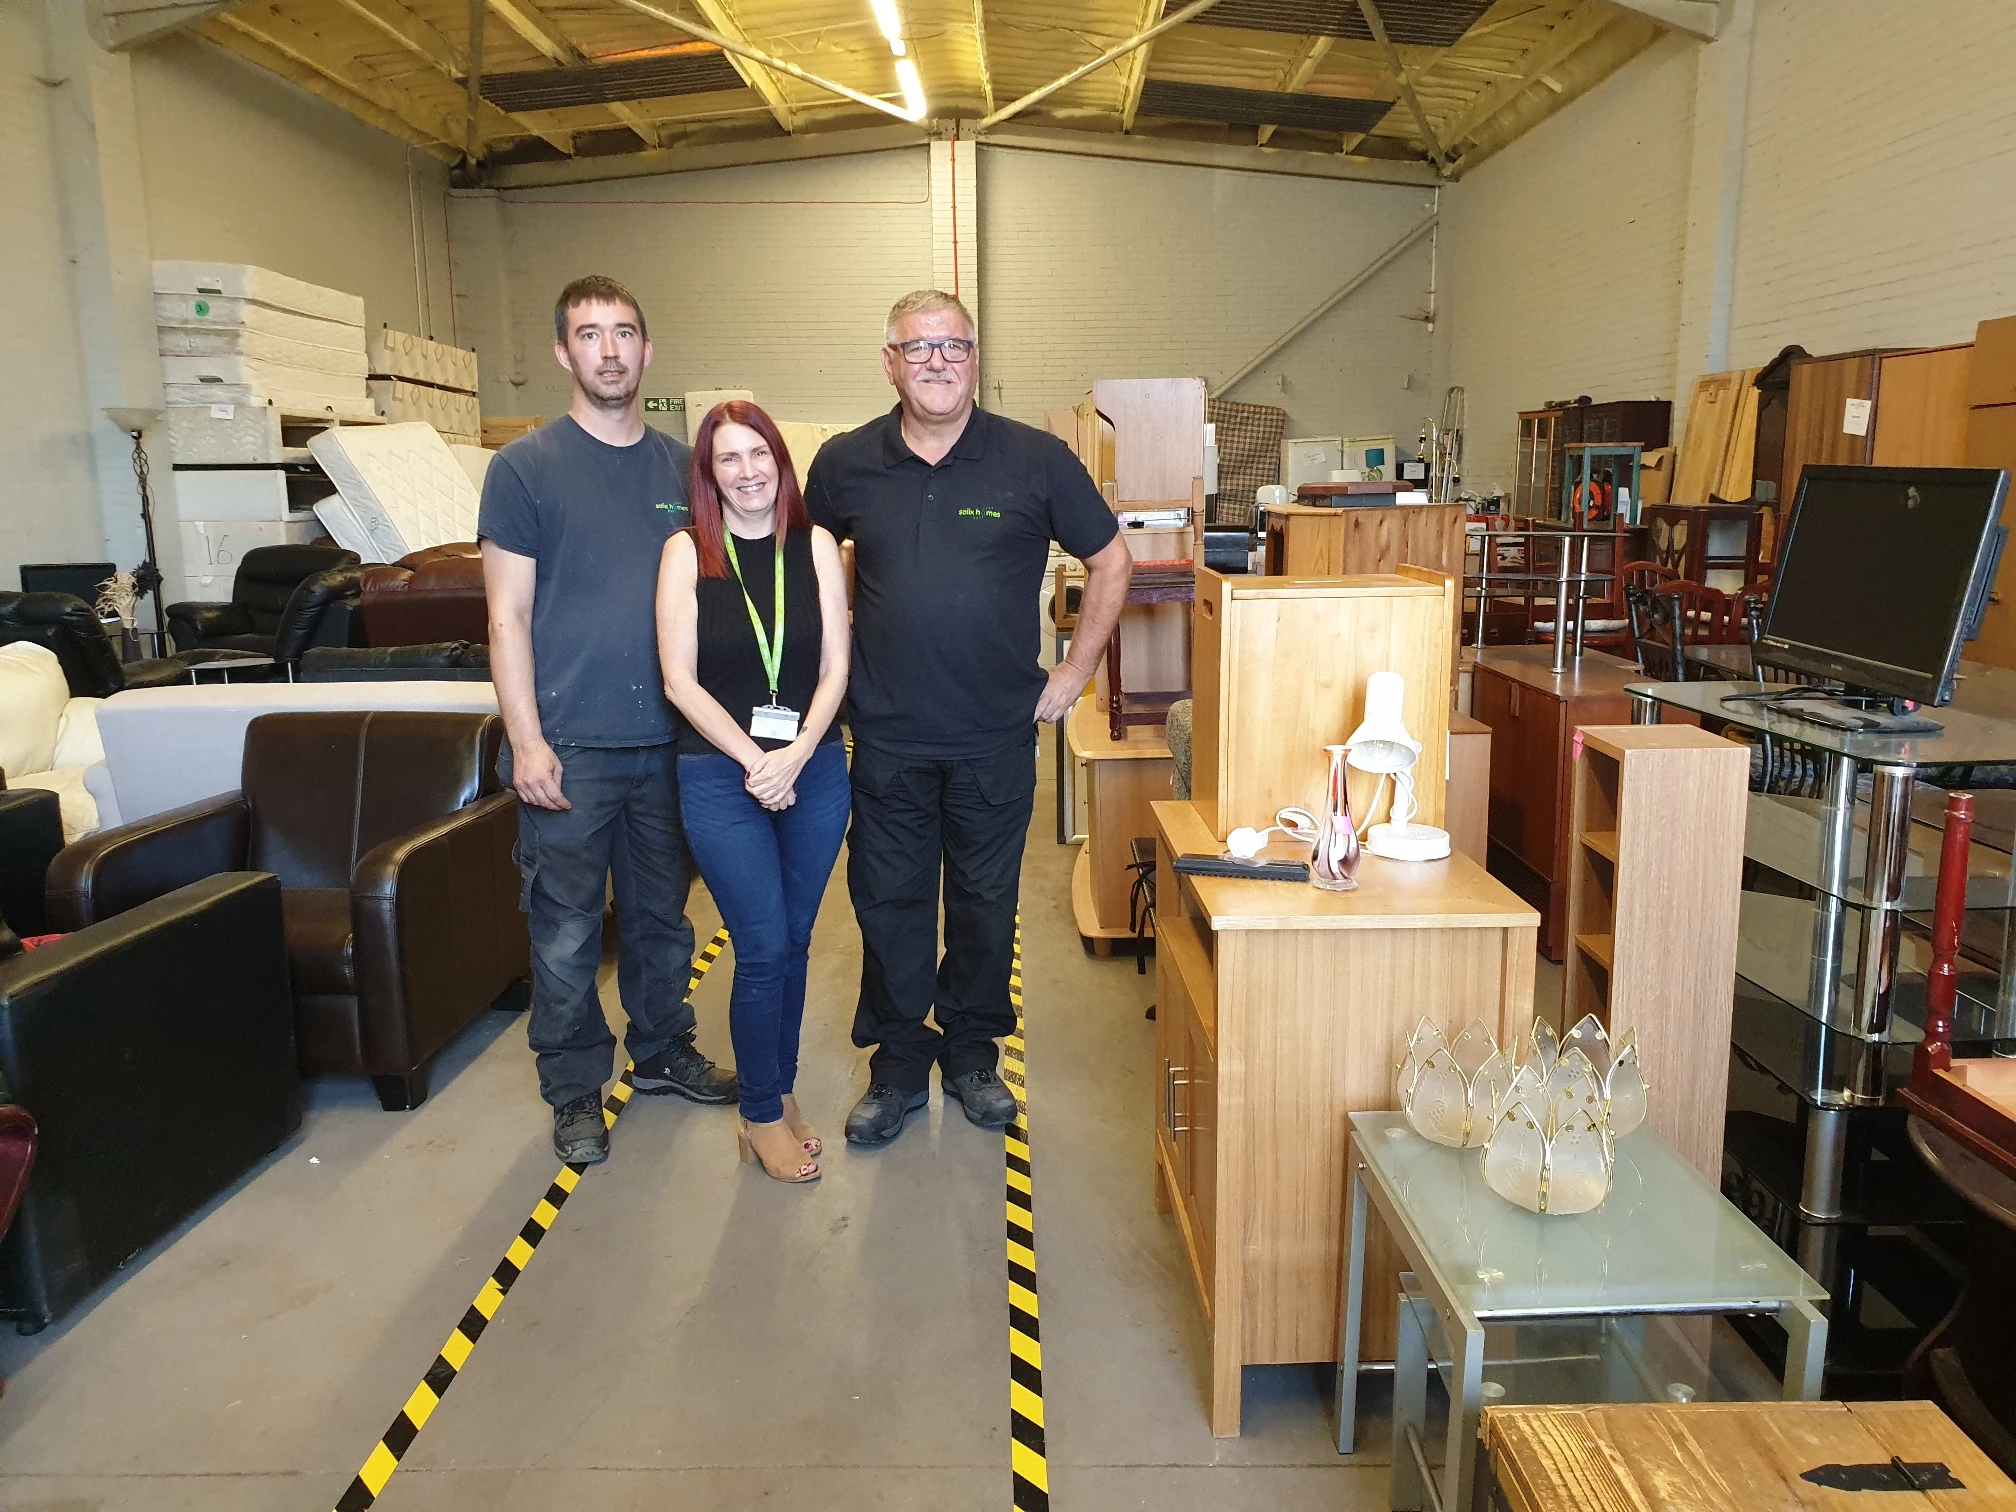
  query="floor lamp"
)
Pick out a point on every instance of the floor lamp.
point(147, 576)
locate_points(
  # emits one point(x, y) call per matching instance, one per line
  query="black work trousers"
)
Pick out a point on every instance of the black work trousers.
point(917, 821)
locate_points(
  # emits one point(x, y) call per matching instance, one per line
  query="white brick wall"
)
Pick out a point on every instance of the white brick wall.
point(1561, 258)
point(1094, 268)
point(243, 166)
point(775, 278)
point(1878, 207)
point(1879, 197)
point(48, 493)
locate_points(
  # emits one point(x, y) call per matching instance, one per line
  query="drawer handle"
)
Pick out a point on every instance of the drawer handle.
point(1171, 1081)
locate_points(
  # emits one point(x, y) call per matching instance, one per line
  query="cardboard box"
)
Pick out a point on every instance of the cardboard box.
point(1993, 379)
point(1655, 476)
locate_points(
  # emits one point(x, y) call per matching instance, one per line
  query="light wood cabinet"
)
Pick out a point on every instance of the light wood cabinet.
point(1280, 1009)
point(1655, 883)
point(1313, 541)
point(1122, 779)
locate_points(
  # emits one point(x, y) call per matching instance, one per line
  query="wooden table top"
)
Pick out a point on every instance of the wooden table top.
point(1090, 735)
point(1454, 893)
point(1730, 1457)
point(1596, 672)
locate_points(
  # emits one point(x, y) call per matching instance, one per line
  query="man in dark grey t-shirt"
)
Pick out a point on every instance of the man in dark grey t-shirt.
point(574, 517)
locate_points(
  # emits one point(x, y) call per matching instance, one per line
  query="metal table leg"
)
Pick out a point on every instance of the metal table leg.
point(1407, 1487)
point(1644, 710)
point(1883, 890)
point(1805, 1351)
point(1351, 1318)
point(1466, 1405)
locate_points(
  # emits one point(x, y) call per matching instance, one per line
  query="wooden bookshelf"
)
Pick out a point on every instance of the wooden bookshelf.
point(1655, 876)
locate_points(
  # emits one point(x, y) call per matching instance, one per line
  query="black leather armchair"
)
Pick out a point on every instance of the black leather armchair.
point(393, 844)
point(156, 1052)
point(70, 627)
point(283, 600)
point(31, 833)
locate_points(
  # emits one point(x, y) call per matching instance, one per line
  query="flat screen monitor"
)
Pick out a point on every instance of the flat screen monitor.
point(1881, 573)
point(78, 579)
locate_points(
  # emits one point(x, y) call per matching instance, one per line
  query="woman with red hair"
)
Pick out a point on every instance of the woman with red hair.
point(753, 638)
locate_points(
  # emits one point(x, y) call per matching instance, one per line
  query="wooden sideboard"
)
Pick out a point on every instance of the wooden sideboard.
point(1533, 713)
point(1280, 1009)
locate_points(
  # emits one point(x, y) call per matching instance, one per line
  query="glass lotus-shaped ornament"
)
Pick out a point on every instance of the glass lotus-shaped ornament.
point(1556, 1087)
point(1617, 1070)
point(1449, 1090)
point(1547, 1165)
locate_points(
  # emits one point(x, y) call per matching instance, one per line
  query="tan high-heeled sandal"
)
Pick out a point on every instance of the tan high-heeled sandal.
point(804, 1132)
point(745, 1146)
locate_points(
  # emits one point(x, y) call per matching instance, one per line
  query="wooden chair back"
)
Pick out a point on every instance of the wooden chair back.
point(1709, 616)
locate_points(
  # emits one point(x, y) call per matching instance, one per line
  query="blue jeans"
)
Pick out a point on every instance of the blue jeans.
point(624, 826)
point(767, 872)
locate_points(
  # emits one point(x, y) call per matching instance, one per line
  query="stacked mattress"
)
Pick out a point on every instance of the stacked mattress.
point(413, 378)
point(248, 356)
point(399, 488)
point(232, 334)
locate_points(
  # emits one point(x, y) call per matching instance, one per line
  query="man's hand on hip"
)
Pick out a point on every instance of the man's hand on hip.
point(535, 773)
point(1066, 684)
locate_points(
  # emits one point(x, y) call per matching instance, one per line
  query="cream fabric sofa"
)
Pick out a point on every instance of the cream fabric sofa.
point(48, 738)
point(165, 747)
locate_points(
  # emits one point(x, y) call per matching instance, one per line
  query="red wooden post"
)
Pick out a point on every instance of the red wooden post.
point(1942, 985)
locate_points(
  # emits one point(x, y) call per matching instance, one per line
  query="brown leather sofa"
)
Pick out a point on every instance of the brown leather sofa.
point(393, 846)
point(426, 597)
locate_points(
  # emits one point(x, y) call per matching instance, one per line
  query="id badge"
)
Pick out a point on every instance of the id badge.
point(773, 722)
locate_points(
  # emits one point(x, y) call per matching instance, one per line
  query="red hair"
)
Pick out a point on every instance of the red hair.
point(707, 527)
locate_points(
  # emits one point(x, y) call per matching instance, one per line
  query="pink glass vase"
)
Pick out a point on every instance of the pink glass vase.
point(1334, 866)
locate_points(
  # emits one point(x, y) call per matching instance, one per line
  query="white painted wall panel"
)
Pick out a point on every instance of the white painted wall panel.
point(1093, 268)
point(48, 493)
point(245, 167)
point(1561, 258)
point(775, 278)
point(1879, 194)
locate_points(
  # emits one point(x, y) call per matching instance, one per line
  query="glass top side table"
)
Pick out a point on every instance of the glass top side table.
point(1664, 1242)
point(1830, 988)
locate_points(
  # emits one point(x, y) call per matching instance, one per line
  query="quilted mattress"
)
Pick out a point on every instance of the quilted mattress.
point(399, 488)
point(267, 350)
point(195, 312)
point(444, 409)
point(292, 403)
point(244, 281)
point(400, 354)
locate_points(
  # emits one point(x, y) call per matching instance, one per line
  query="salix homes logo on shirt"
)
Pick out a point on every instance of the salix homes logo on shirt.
point(979, 514)
point(675, 509)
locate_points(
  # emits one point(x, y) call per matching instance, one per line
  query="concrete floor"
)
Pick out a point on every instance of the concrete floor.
point(689, 1334)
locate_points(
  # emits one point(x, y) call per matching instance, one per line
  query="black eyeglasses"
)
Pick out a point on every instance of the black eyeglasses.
point(917, 353)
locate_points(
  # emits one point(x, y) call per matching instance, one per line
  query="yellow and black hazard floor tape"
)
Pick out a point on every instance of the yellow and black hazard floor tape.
point(369, 1483)
point(1029, 1459)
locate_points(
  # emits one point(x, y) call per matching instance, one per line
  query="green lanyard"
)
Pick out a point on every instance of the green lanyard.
point(773, 656)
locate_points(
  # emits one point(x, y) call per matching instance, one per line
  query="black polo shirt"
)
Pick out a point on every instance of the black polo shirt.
point(948, 570)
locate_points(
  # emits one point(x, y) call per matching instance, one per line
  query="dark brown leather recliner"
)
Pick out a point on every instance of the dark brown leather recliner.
point(427, 597)
point(393, 846)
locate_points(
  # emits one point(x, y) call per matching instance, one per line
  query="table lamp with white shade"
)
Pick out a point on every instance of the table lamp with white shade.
point(1381, 745)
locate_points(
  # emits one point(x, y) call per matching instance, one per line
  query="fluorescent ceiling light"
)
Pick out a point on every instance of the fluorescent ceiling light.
point(913, 88)
point(887, 19)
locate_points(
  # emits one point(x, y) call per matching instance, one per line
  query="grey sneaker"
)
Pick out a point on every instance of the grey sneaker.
point(580, 1132)
point(682, 1069)
point(988, 1103)
point(878, 1117)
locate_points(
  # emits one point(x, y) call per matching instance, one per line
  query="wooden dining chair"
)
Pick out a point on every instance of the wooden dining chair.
point(1645, 575)
point(1656, 620)
point(1708, 615)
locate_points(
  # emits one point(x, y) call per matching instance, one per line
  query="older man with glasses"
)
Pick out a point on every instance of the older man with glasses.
point(952, 511)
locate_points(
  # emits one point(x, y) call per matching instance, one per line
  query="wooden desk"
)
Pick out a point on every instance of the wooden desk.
point(1311, 541)
point(1729, 1457)
point(1122, 779)
point(1280, 1009)
point(1533, 715)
